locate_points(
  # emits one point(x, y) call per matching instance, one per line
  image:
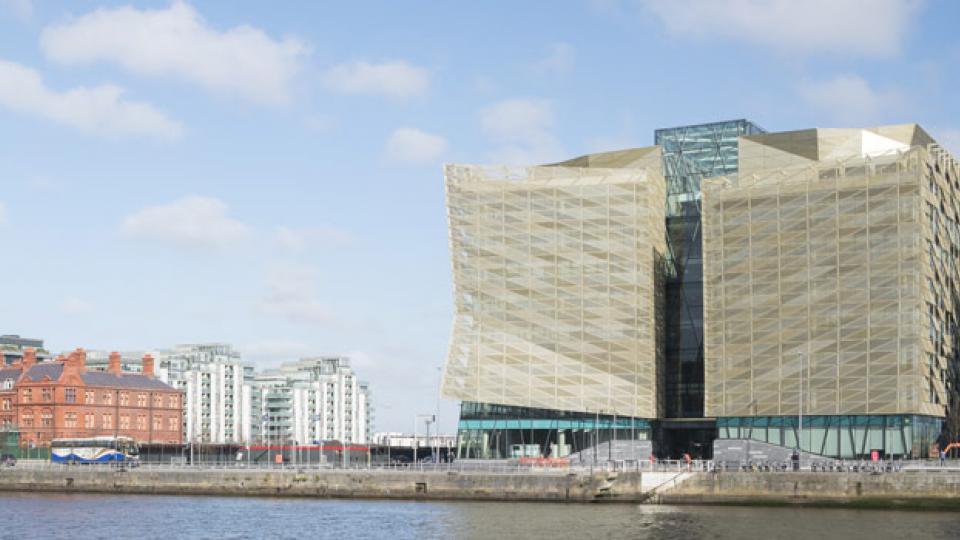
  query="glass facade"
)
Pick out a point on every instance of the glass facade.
point(690, 154)
point(843, 436)
point(488, 431)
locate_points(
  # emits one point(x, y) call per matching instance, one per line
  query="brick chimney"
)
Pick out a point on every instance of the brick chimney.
point(29, 358)
point(114, 365)
point(79, 359)
point(148, 365)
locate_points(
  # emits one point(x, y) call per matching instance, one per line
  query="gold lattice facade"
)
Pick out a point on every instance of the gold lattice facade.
point(556, 274)
point(830, 275)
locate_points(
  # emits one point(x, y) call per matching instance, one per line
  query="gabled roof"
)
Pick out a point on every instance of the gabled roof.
point(45, 369)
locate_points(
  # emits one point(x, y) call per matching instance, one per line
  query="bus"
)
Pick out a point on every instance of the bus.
point(95, 450)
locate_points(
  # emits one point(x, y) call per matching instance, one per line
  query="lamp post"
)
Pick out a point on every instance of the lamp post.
point(800, 415)
point(427, 418)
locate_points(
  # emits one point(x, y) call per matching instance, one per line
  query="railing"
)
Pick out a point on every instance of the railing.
point(515, 467)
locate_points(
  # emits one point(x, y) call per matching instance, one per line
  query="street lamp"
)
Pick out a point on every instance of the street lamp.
point(416, 443)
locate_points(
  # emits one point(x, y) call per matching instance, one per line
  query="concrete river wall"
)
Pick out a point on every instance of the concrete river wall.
point(939, 490)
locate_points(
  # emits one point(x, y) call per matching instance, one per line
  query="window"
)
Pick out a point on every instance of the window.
point(173, 402)
point(27, 396)
point(141, 422)
point(124, 422)
point(157, 400)
point(106, 421)
point(46, 394)
point(88, 397)
point(107, 398)
point(141, 400)
point(157, 423)
point(8, 384)
point(88, 421)
point(70, 395)
point(26, 419)
point(124, 399)
point(6, 404)
point(70, 420)
point(172, 423)
point(46, 418)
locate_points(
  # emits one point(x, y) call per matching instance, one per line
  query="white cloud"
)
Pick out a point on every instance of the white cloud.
point(561, 59)
point(178, 42)
point(849, 99)
point(99, 110)
point(22, 9)
point(192, 222)
point(274, 351)
point(413, 145)
point(75, 306)
point(950, 139)
point(291, 294)
point(523, 130)
point(872, 28)
point(396, 79)
point(293, 239)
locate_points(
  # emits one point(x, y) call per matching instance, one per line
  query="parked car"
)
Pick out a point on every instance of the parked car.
point(8, 460)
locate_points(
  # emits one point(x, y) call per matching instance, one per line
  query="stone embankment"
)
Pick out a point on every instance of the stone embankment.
point(939, 490)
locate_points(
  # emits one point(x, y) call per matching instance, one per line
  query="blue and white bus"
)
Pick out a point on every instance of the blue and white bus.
point(95, 450)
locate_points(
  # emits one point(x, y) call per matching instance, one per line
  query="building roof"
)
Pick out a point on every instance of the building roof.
point(9, 373)
point(45, 369)
point(126, 380)
point(53, 370)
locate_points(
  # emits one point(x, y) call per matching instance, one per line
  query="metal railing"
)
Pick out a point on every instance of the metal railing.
point(514, 467)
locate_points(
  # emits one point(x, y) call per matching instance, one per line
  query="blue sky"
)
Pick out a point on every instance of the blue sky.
point(270, 175)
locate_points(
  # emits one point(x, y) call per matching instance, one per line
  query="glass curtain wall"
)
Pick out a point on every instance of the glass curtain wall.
point(488, 431)
point(690, 154)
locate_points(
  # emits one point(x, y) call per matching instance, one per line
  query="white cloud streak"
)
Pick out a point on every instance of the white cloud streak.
point(415, 146)
point(193, 222)
point(75, 306)
point(871, 28)
point(178, 42)
point(560, 61)
point(849, 99)
point(298, 239)
point(100, 110)
point(396, 79)
point(523, 130)
point(291, 294)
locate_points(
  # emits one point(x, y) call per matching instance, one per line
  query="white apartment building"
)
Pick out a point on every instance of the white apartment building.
point(312, 400)
point(217, 390)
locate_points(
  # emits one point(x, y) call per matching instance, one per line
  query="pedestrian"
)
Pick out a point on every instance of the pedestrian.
point(943, 457)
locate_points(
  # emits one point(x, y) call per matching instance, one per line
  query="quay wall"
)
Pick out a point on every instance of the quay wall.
point(513, 486)
point(927, 490)
point(913, 489)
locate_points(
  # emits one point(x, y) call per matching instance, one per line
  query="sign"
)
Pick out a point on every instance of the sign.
point(278, 459)
point(874, 455)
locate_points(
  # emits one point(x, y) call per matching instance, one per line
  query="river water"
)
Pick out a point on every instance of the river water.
point(138, 517)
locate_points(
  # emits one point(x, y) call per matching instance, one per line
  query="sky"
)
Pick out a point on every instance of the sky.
point(270, 174)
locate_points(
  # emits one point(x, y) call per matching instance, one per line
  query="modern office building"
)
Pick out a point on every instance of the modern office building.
point(557, 275)
point(580, 292)
point(831, 297)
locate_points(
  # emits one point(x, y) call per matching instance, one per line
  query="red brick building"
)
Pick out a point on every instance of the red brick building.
point(60, 398)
